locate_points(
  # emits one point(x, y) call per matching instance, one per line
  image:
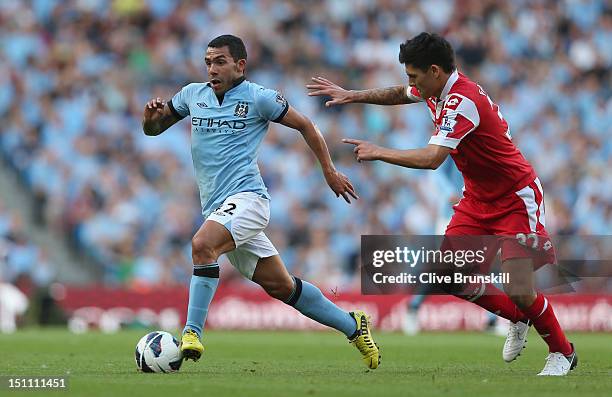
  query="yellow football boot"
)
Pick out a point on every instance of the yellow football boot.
point(364, 341)
point(191, 347)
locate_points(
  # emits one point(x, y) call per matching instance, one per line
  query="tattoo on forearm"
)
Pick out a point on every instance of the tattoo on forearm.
point(166, 121)
point(395, 95)
point(158, 126)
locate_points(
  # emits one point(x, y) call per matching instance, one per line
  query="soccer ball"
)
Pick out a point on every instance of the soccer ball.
point(158, 352)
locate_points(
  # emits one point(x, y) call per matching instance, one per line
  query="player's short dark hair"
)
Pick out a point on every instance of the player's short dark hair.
point(235, 45)
point(428, 49)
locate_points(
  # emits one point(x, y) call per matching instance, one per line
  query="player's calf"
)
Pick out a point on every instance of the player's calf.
point(272, 275)
point(278, 289)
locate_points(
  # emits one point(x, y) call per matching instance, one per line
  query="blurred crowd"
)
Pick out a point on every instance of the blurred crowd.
point(75, 75)
point(19, 255)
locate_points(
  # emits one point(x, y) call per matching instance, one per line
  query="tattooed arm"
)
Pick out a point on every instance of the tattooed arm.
point(395, 95)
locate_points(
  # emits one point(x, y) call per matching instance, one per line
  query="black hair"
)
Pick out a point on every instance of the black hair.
point(428, 49)
point(235, 45)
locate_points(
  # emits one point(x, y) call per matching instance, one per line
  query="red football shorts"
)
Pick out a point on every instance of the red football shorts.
point(518, 219)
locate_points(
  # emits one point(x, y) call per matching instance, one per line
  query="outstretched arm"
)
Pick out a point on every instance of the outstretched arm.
point(337, 181)
point(395, 95)
point(429, 157)
point(158, 117)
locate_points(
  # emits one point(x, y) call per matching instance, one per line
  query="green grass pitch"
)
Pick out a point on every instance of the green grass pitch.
point(306, 364)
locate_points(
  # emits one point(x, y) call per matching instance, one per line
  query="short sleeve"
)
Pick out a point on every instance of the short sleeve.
point(271, 104)
point(179, 104)
point(413, 94)
point(460, 117)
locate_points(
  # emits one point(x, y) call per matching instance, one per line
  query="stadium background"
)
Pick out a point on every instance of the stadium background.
point(87, 200)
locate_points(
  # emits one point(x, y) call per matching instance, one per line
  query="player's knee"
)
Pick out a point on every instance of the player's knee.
point(280, 290)
point(520, 295)
point(522, 300)
point(202, 251)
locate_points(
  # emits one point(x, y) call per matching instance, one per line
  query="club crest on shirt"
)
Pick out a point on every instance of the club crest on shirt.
point(241, 110)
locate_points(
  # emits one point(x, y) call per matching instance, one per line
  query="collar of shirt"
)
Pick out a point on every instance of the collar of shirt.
point(449, 84)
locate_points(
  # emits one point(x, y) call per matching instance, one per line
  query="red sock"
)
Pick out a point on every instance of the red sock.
point(545, 322)
point(492, 299)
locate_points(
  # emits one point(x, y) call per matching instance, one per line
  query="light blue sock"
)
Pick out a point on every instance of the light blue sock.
point(309, 300)
point(202, 288)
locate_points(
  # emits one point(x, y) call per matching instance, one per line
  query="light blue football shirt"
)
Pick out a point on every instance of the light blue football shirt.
point(225, 137)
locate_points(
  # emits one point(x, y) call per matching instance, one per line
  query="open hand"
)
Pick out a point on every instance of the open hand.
point(324, 87)
point(154, 110)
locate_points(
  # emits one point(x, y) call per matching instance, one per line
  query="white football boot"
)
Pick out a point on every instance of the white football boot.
point(516, 340)
point(559, 365)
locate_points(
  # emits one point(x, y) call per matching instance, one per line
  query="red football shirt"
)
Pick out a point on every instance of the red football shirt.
point(467, 121)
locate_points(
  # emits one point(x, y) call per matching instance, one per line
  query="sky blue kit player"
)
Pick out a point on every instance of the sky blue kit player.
point(225, 137)
point(229, 119)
